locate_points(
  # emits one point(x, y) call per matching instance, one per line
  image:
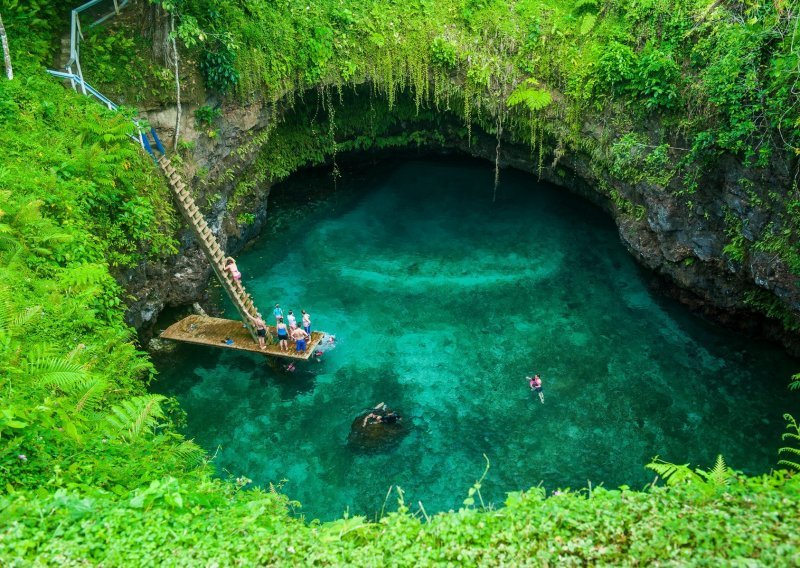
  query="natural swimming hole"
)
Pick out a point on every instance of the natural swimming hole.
point(442, 302)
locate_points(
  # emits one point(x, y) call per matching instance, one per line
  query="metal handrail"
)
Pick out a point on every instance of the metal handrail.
point(87, 89)
point(74, 58)
point(76, 34)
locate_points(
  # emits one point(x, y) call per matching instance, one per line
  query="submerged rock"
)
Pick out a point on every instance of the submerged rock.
point(376, 437)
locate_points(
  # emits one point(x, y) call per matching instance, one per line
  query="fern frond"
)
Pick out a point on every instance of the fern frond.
point(534, 99)
point(23, 318)
point(795, 384)
point(587, 24)
point(90, 393)
point(54, 371)
point(135, 417)
point(671, 473)
point(85, 276)
point(791, 425)
point(188, 454)
point(719, 476)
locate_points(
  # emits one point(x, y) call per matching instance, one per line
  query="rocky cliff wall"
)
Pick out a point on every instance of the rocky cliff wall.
point(681, 238)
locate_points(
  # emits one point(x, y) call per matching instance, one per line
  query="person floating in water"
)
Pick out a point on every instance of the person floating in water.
point(381, 415)
point(535, 383)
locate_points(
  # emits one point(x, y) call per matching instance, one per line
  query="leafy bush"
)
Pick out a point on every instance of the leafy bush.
point(218, 69)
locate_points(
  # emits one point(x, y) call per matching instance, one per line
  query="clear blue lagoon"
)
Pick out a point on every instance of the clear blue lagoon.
point(442, 302)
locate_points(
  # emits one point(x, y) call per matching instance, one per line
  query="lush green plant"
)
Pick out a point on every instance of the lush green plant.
point(218, 69)
point(791, 452)
point(205, 115)
point(92, 466)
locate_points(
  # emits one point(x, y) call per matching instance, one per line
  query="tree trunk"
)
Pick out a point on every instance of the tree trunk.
point(6, 54)
point(176, 61)
point(155, 28)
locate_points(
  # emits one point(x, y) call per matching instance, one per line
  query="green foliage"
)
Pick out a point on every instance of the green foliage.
point(218, 70)
point(792, 453)
point(534, 99)
point(205, 115)
point(715, 478)
point(443, 53)
point(92, 467)
point(174, 521)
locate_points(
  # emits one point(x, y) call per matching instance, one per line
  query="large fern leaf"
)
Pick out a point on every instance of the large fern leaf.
point(188, 454)
point(135, 417)
point(671, 473)
point(54, 370)
point(719, 476)
point(89, 393)
point(794, 436)
point(587, 23)
point(795, 384)
point(535, 99)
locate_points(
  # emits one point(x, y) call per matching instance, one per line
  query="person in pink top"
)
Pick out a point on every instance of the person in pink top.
point(535, 383)
point(230, 266)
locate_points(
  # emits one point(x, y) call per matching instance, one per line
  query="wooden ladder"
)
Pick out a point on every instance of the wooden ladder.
point(208, 243)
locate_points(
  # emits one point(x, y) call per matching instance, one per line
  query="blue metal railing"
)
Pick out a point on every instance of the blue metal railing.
point(87, 89)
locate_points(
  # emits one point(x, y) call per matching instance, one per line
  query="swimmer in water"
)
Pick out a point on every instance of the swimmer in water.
point(535, 383)
point(381, 415)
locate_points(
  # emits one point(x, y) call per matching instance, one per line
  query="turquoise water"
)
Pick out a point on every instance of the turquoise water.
point(441, 302)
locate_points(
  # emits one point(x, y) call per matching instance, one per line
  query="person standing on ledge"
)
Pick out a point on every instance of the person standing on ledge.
point(536, 385)
point(261, 330)
point(278, 312)
point(306, 322)
point(283, 335)
point(300, 337)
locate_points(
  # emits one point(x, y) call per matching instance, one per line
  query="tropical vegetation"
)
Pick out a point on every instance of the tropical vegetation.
point(94, 469)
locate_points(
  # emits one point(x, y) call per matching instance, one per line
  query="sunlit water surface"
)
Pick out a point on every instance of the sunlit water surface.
point(441, 302)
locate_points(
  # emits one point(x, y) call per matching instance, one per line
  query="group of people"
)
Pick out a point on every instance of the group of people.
point(286, 330)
